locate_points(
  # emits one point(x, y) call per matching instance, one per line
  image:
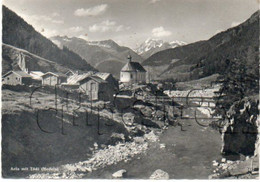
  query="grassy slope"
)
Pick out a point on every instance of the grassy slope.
point(25, 145)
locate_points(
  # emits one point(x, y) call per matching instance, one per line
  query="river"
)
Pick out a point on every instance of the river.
point(187, 154)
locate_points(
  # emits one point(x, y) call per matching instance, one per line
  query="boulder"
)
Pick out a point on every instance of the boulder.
point(159, 174)
point(162, 145)
point(223, 160)
point(119, 174)
point(215, 163)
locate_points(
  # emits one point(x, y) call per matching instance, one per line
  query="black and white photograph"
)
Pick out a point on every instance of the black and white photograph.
point(130, 89)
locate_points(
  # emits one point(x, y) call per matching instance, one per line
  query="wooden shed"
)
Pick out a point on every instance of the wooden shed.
point(109, 78)
point(16, 78)
point(96, 88)
point(51, 78)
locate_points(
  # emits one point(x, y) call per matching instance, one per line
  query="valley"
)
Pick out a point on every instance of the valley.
point(78, 108)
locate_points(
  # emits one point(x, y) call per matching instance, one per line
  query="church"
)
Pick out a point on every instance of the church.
point(132, 72)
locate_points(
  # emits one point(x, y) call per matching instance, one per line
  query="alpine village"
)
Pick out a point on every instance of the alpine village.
point(186, 112)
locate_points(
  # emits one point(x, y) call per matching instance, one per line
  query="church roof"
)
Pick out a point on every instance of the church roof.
point(133, 66)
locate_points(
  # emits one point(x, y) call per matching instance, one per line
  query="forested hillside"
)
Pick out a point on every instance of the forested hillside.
point(18, 33)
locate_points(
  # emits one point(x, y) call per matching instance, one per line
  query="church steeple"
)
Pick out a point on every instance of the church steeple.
point(129, 57)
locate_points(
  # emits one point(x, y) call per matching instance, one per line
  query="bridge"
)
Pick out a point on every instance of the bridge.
point(191, 104)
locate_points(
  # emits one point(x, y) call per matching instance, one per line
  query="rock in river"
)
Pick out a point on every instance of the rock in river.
point(159, 174)
point(119, 174)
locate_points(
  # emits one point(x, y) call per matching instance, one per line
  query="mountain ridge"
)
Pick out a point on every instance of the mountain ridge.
point(207, 57)
point(105, 55)
point(19, 59)
point(152, 46)
point(20, 34)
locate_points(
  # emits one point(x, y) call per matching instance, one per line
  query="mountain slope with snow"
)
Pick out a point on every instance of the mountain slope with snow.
point(152, 46)
point(106, 55)
point(204, 58)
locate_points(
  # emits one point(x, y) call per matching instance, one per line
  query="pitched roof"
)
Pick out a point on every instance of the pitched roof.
point(69, 71)
point(55, 74)
point(133, 66)
point(37, 75)
point(74, 79)
point(95, 78)
point(101, 75)
point(20, 73)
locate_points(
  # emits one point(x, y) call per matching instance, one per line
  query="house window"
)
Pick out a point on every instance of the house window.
point(131, 76)
point(7, 78)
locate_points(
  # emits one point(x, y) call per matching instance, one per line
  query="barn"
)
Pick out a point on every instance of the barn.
point(109, 78)
point(51, 78)
point(16, 78)
point(73, 81)
point(96, 88)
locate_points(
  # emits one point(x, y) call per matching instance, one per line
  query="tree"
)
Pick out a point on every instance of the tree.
point(236, 83)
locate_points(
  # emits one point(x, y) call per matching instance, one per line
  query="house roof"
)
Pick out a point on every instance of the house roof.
point(20, 73)
point(55, 74)
point(103, 76)
point(133, 66)
point(74, 79)
point(37, 75)
point(95, 78)
point(69, 71)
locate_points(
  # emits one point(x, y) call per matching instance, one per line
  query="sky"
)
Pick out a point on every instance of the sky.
point(131, 22)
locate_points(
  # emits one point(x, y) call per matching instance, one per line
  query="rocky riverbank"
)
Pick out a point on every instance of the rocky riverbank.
point(101, 158)
point(248, 168)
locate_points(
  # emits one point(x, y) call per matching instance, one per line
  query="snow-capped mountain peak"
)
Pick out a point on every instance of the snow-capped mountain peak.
point(151, 46)
point(177, 43)
point(148, 45)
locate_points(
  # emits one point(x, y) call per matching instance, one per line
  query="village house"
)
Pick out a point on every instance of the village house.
point(108, 77)
point(69, 73)
point(53, 79)
point(132, 72)
point(36, 77)
point(73, 81)
point(16, 78)
point(97, 85)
